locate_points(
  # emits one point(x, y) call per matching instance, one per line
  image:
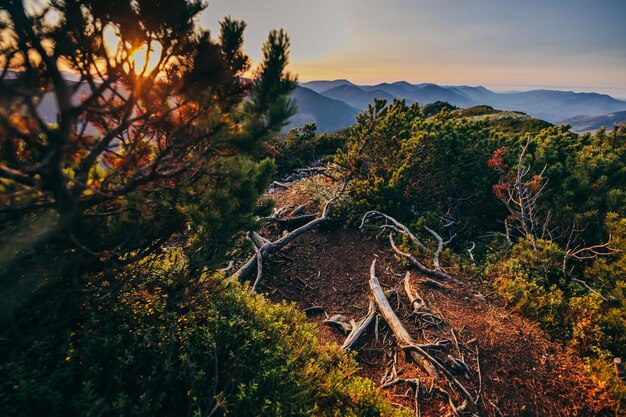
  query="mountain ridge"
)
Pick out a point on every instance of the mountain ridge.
point(553, 106)
point(581, 124)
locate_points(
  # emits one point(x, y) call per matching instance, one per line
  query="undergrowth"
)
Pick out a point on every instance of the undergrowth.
point(165, 347)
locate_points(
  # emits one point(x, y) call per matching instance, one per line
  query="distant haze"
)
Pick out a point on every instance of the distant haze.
point(332, 104)
point(576, 45)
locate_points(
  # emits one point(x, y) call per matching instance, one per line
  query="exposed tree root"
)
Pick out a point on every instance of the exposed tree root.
point(423, 268)
point(440, 245)
point(358, 329)
point(395, 225)
point(269, 247)
point(417, 353)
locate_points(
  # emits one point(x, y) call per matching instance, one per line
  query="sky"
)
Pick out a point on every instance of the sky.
point(577, 45)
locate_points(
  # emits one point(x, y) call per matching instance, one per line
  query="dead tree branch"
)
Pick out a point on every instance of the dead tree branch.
point(395, 225)
point(421, 266)
point(358, 329)
point(402, 336)
point(269, 247)
point(440, 245)
point(415, 351)
point(417, 302)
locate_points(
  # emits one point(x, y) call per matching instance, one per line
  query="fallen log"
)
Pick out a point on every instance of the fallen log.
point(417, 302)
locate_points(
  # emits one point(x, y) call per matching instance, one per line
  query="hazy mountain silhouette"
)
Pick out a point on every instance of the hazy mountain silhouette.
point(319, 86)
point(550, 105)
point(357, 96)
point(590, 123)
point(329, 114)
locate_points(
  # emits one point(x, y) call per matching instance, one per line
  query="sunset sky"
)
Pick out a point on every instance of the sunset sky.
point(502, 44)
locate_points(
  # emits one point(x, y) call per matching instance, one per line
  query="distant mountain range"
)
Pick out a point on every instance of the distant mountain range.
point(550, 105)
point(582, 124)
point(329, 114)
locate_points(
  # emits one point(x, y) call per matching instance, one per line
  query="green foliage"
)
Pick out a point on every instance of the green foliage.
point(111, 187)
point(111, 217)
point(531, 279)
point(301, 146)
point(433, 109)
point(569, 274)
point(165, 347)
point(411, 167)
point(477, 111)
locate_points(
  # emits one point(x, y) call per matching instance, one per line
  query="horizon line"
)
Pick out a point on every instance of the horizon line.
point(611, 91)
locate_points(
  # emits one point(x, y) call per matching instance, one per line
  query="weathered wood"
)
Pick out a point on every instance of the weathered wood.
point(314, 309)
point(423, 268)
point(358, 329)
point(431, 283)
point(619, 369)
point(277, 184)
point(286, 221)
point(417, 302)
point(297, 211)
point(259, 263)
point(402, 336)
point(228, 267)
point(419, 355)
point(396, 225)
point(272, 247)
point(338, 321)
point(440, 245)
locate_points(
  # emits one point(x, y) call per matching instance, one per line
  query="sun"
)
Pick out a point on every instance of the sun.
point(142, 60)
point(146, 58)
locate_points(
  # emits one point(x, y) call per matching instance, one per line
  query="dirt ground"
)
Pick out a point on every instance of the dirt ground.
point(514, 368)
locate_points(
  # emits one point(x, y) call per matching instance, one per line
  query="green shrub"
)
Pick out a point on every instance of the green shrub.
point(301, 146)
point(162, 348)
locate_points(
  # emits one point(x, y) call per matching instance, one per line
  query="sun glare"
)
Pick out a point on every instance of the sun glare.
point(142, 59)
point(146, 59)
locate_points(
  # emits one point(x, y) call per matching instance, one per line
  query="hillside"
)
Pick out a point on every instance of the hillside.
point(186, 231)
point(356, 96)
point(326, 274)
point(582, 124)
point(509, 122)
point(329, 114)
point(550, 105)
point(323, 85)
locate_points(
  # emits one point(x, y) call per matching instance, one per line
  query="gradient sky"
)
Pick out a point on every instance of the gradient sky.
point(502, 44)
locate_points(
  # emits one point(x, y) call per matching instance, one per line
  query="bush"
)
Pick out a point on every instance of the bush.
point(301, 146)
point(165, 348)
